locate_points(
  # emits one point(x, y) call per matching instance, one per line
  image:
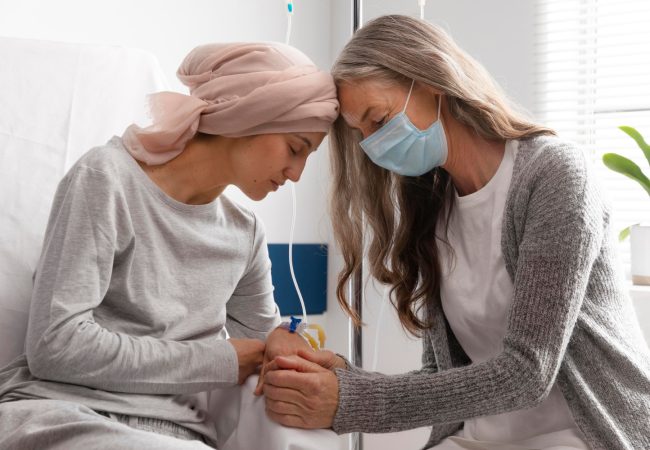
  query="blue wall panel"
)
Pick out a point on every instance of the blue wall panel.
point(310, 266)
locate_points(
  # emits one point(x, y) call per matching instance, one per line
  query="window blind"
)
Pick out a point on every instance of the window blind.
point(593, 75)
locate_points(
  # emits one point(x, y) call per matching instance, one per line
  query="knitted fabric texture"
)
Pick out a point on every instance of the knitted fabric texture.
point(571, 321)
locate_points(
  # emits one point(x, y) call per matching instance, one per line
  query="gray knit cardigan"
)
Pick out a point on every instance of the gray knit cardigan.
point(571, 321)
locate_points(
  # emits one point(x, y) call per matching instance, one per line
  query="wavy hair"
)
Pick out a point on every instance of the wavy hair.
point(401, 213)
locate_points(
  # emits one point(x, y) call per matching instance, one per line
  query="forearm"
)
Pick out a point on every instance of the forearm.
point(253, 327)
point(87, 354)
point(374, 403)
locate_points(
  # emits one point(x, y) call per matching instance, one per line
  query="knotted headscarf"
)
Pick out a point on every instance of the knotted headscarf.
point(236, 89)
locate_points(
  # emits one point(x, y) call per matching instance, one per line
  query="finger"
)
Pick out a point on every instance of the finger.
point(260, 383)
point(323, 358)
point(272, 365)
point(284, 408)
point(295, 362)
point(260, 380)
point(303, 382)
point(286, 420)
point(284, 394)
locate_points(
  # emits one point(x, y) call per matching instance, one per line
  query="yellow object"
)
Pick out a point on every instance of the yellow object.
point(321, 336)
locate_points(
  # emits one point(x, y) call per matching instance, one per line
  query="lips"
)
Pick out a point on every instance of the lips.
point(276, 185)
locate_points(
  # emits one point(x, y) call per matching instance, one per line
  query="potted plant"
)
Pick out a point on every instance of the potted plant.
point(639, 233)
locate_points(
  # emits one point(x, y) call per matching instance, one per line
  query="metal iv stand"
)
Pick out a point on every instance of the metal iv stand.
point(355, 287)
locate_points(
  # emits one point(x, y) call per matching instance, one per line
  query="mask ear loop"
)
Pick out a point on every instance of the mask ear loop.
point(408, 97)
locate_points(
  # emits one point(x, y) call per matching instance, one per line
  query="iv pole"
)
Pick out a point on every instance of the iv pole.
point(355, 287)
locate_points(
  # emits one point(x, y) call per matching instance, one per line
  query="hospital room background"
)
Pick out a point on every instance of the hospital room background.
point(580, 66)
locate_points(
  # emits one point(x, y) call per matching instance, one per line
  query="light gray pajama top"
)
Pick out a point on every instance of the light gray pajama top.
point(133, 294)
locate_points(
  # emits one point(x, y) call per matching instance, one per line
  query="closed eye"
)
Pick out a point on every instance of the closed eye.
point(380, 123)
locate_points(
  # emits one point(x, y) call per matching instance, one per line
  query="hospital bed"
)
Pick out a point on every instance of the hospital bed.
point(57, 101)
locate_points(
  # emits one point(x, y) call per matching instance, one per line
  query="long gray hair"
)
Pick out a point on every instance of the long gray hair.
point(402, 212)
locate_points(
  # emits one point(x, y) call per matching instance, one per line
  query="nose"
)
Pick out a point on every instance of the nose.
point(294, 170)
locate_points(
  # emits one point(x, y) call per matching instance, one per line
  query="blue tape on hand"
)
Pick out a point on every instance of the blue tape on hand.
point(295, 321)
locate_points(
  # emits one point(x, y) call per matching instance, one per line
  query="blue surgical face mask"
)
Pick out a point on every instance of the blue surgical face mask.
point(401, 148)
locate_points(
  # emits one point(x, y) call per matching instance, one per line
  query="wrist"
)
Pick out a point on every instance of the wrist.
point(283, 333)
point(295, 325)
point(342, 362)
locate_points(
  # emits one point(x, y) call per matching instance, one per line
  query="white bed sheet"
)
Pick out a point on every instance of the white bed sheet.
point(242, 424)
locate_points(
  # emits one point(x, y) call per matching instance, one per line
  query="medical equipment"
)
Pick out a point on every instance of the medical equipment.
point(299, 326)
point(380, 316)
point(355, 287)
point(385, 290)
point(289, 16)
point(399, 146)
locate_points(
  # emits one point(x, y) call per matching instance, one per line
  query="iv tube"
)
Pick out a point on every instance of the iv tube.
point(289, 15)
point(293, 275)
point(293, 195)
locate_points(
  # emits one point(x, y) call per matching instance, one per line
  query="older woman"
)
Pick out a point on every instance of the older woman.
point(495, 241)
point(146, 263)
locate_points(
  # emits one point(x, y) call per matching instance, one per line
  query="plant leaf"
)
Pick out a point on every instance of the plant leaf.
point(643, 145)
point(624, 166)
point(625, 232)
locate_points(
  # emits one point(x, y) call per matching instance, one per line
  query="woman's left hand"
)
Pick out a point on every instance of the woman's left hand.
point(280, 343)
point(301, 393)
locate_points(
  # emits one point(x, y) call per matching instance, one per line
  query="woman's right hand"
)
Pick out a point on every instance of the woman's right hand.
point(324, 358)
point(301, 392)
point(250, 355)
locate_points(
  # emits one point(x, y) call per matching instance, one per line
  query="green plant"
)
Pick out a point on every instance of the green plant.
point(624, 166)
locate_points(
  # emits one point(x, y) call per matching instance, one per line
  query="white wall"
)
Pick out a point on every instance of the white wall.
point(499, 34)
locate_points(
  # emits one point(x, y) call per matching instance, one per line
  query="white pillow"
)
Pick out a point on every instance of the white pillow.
point(56, 102)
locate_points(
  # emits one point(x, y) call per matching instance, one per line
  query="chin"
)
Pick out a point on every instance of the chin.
point(256, 196)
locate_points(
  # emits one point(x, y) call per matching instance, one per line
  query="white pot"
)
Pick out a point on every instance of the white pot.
point(640, 253)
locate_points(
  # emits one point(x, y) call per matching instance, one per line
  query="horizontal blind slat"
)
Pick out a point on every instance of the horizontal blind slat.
point(593, 75)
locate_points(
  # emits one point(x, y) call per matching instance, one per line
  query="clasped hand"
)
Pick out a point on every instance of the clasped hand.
point(298, 383)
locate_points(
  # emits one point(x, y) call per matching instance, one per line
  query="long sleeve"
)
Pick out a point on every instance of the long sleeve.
point(251, 311)
point(84, 240)
point(562, 234)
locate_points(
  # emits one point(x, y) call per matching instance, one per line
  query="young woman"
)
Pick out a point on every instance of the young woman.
point(495, 241)
point(153, 287)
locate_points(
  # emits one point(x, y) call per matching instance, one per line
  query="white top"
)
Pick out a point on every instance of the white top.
point(476, 294)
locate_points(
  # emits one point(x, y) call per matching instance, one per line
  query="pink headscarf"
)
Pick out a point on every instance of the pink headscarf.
point(236, 89)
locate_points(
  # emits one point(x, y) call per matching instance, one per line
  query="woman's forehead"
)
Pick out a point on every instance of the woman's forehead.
point(356, 98)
